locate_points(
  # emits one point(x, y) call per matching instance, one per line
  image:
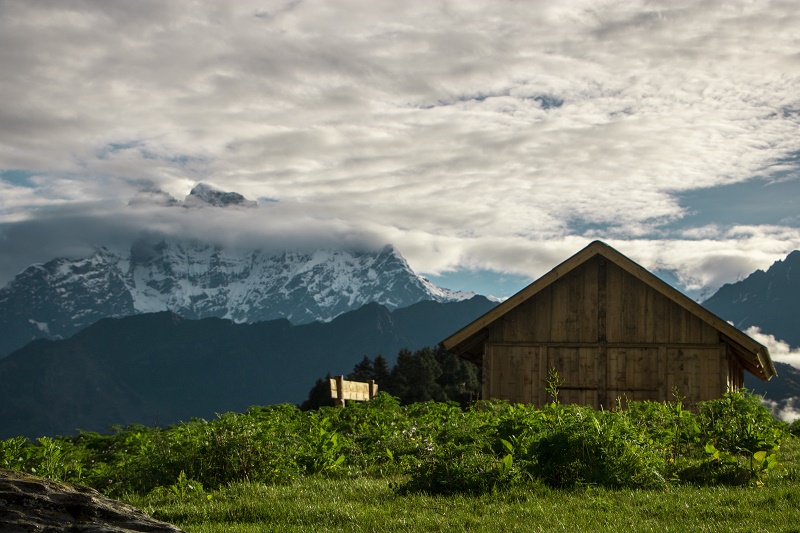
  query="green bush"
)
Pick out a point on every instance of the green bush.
point(465, 470)
point(738, 423)
point(440, 447)
point(463, 452)
point(596, 448)
point(12, 455)
point(740, 439)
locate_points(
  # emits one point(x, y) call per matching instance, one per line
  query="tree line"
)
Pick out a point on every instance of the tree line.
point(420, 376)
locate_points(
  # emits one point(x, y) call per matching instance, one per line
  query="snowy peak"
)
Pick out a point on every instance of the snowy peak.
point(197, 280)
point(203, 195)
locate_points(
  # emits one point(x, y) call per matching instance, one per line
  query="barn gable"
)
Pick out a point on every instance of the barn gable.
point(611, 329)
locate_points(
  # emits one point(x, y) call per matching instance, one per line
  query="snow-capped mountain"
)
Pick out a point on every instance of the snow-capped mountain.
point(200, 280)
point(202, 195)
point(197, 280)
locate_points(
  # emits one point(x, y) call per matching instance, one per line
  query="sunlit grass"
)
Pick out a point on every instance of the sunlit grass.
point(371, 505)
point(379, 466)
point(368, 504)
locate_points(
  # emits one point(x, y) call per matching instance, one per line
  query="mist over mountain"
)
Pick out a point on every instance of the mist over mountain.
point(197, 279)
point(783, 387)
point(201, 195)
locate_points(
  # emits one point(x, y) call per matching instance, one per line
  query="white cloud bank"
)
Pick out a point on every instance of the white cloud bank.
point(779, 350)
point(787, 410)
point(481, 134)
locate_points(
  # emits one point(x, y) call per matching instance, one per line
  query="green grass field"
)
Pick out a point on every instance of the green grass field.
point(724, 465)
point(364, 504)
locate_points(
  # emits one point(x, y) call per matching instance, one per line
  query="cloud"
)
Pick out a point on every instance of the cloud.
point(499, 136)
point(787, 410)
point(76, 230)
point(779, 350)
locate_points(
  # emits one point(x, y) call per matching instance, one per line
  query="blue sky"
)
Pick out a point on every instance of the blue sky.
point(482, 281)
point(488, 141)
point(752, 203)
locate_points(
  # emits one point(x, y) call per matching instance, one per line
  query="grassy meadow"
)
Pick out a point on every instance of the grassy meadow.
point(726, 465)
point(370, 504)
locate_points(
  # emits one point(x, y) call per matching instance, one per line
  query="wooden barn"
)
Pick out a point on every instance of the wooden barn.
point(612, 330)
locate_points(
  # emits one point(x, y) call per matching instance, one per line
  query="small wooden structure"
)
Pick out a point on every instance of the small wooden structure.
point(342, 390)
point(612, 330)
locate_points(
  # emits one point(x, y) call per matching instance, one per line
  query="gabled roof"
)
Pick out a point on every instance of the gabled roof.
point(753, 355)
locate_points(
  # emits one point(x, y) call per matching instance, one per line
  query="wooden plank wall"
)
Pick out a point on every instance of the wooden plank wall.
point(735, 372)
point(637, 313)
point(513, 373)
point(609, 335)
point(520, 373)
point(578, 368)
point(633, 374)
point(565, 311)
point(695, 373)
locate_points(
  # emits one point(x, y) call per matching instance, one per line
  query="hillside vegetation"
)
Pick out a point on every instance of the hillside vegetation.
point(220, 470)
point(438, 447)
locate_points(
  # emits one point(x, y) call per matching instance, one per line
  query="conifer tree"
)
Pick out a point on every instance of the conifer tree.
point(363, 371)
point(319, 395)
point(424, 375)
point(380, 367)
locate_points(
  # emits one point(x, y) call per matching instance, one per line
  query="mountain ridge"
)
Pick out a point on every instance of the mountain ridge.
point(160, 368)
point(768, 299)
point(197, 280)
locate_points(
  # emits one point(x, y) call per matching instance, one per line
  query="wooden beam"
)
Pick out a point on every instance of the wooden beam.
point(602, 348)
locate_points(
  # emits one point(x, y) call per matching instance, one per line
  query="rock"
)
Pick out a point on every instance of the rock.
point(29, 503)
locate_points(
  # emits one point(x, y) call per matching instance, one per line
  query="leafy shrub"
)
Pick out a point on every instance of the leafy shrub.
point(12, 455)
point(741, 438)
point(740, 424)
point(462, 453)
point(671, 430)
point(461, 470)
point(598, 448)
point(441, 447)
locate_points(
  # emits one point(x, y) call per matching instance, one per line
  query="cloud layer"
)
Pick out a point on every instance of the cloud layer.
point(778, 350)
point(486, 135)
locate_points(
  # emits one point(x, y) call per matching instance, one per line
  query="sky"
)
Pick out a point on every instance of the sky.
point(487, 140)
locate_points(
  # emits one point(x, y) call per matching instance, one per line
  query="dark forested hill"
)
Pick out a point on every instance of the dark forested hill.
point(159, 368)
point(779, 389)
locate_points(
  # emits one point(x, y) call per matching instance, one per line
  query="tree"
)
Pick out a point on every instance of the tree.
point(424, 375)
point(363, 371)
point(459, 378)
point(319, 395)
point(414, 377)
point(381, 370)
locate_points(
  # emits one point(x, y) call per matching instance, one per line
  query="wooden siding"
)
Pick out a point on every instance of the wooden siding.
point(638, 313)
point(735, 372)
point(564, 311)
point(609, 336)
point(519, 373)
